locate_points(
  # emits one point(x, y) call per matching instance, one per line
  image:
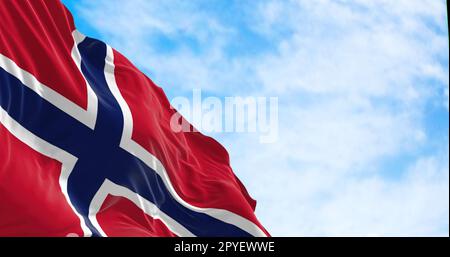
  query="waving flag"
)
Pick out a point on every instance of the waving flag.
point(86, 146)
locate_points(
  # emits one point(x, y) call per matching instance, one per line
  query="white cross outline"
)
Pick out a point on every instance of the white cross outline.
point(88, 118)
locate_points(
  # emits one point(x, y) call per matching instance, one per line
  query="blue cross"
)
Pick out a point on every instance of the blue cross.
point(99, 155)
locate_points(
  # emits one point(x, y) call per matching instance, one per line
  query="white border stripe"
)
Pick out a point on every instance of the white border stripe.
point(49, 94)
point(66, 159)
point(87, 117)
point(134, 148)
point(110, 188)
point(92, 104)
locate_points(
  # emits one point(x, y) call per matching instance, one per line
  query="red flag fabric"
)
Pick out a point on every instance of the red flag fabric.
point(86, 146)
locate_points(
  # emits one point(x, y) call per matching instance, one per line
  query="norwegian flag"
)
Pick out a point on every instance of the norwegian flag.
point(86, 147)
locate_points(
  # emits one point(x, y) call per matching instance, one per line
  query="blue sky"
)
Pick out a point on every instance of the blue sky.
point(363, 90)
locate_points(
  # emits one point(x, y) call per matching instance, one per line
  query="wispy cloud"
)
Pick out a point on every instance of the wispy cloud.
point(360, 85)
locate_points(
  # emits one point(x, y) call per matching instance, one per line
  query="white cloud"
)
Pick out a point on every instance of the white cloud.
point(379, 51)
point(325, 176)
point(379, 207)
point(353, 78)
